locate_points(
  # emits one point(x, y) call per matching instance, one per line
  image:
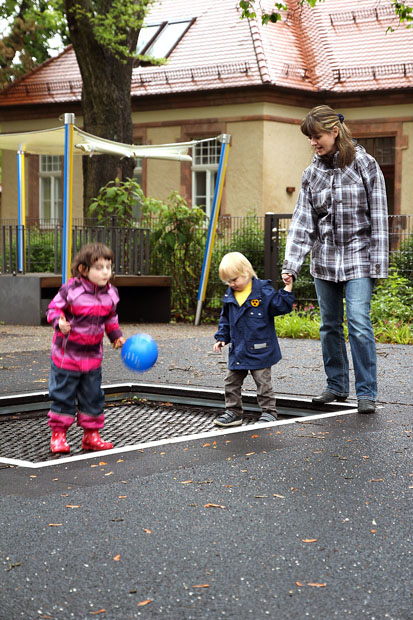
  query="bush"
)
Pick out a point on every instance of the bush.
point(177, 244)
point(116, 199)
point(392, 299)
point(402, 260)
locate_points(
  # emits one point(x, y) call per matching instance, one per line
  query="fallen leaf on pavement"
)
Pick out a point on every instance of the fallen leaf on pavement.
point(309, 540)
point(72, 506)
point(117, 558)
point(95, 613)
point(277, 495)
point(146, 602)
point(53, 524)
point(201, 585)
point(311, 584)
point(213, 506)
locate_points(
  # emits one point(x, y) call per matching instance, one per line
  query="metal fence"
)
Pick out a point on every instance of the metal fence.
point(42, 246)
point(137, 251)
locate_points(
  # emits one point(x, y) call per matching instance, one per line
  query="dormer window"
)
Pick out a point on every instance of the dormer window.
point(158, 40)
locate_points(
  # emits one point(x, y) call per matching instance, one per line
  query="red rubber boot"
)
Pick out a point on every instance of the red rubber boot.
point(58, 442)
point(93, 441)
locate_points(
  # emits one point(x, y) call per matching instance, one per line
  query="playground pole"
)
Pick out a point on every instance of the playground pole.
point(225, 140)
point(69, 120)
point(21, 199)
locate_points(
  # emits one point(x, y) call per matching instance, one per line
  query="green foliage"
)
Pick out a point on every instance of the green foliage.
point(402, 260)
point(297, 325)
point(116, 199)
point(403, 11)
point(392, 299)
point(177, 246)
point(29, 28)
point(304, 289)
point(42, 255)
point(112, 23)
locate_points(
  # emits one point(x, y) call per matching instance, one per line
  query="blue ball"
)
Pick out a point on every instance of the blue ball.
point(139, 352)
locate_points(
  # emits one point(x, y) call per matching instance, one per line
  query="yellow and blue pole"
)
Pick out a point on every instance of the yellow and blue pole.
point(225, 140)
point(21, 199)
point(69, 120)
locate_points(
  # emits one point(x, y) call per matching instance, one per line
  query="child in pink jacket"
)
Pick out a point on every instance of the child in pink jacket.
point(81, 312)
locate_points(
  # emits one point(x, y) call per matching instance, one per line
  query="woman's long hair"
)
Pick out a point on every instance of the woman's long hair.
point(323, 119)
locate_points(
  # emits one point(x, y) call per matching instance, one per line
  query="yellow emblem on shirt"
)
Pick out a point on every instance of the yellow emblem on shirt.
point(255, 302)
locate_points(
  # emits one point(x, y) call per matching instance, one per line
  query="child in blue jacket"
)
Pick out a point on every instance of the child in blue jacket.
point(247, 325)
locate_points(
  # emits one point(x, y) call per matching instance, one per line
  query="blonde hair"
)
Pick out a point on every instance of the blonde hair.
point(233, 265)
point(323, 119)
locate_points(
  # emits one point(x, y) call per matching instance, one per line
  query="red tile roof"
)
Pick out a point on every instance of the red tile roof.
point(336, 46)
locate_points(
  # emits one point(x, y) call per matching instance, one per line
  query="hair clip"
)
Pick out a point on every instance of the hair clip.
point(340, 118)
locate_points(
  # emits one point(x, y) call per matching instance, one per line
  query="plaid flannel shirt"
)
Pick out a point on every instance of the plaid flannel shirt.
point(341, 216)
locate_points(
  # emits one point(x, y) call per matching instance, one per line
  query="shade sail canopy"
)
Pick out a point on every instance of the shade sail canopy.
point(52, 142)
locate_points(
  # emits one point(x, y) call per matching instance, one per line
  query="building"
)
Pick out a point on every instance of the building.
point(254, 82)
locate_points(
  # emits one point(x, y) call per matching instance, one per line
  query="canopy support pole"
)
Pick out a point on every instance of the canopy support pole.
point(69, 120)
point(21, 199)
point(225, 140)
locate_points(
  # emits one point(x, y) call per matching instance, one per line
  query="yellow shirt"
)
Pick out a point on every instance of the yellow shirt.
point(241, 296)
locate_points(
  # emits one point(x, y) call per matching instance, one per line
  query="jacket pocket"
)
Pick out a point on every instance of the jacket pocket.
point(259, 346)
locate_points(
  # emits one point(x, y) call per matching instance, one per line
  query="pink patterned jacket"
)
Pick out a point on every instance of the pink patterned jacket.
point(91, 311)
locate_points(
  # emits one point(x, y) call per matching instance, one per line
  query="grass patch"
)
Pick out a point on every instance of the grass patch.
point(302, 324)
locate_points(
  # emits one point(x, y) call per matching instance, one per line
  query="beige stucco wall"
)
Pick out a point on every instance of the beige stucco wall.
point(163, 177)
point(286, 154)
point(244, 186)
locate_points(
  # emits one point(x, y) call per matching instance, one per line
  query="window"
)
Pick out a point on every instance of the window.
point(205, 163)
point(50, 187)
point(383, 151)
point(158, 40)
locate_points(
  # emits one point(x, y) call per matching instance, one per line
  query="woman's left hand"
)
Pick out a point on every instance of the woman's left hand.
point(119, 342)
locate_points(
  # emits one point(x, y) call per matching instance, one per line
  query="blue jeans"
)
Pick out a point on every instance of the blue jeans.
point(360, 332)
point(70, 391)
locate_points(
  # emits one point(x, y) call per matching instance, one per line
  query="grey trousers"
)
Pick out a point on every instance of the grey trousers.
point(265, 394)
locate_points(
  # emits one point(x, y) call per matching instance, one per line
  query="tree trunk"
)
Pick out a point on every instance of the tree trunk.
point(106, 102)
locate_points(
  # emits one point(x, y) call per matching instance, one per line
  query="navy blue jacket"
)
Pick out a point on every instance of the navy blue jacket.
point(249, 329)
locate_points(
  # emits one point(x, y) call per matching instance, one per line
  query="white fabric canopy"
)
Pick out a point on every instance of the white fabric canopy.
point(52, 142)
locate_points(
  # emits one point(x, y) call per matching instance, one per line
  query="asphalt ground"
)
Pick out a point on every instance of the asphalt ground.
point(306, 520)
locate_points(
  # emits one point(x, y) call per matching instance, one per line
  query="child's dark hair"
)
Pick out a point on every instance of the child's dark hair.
point(88, 255)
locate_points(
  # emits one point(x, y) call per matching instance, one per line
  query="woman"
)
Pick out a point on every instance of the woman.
point(341, 216)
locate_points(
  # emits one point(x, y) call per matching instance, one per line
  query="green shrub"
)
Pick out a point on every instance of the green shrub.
point(392, 299)
point(177, 245)
point(116, 199)
point(402, 260)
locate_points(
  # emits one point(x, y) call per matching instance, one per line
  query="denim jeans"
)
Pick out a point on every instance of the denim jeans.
point(360, 331)
point(70, 391)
